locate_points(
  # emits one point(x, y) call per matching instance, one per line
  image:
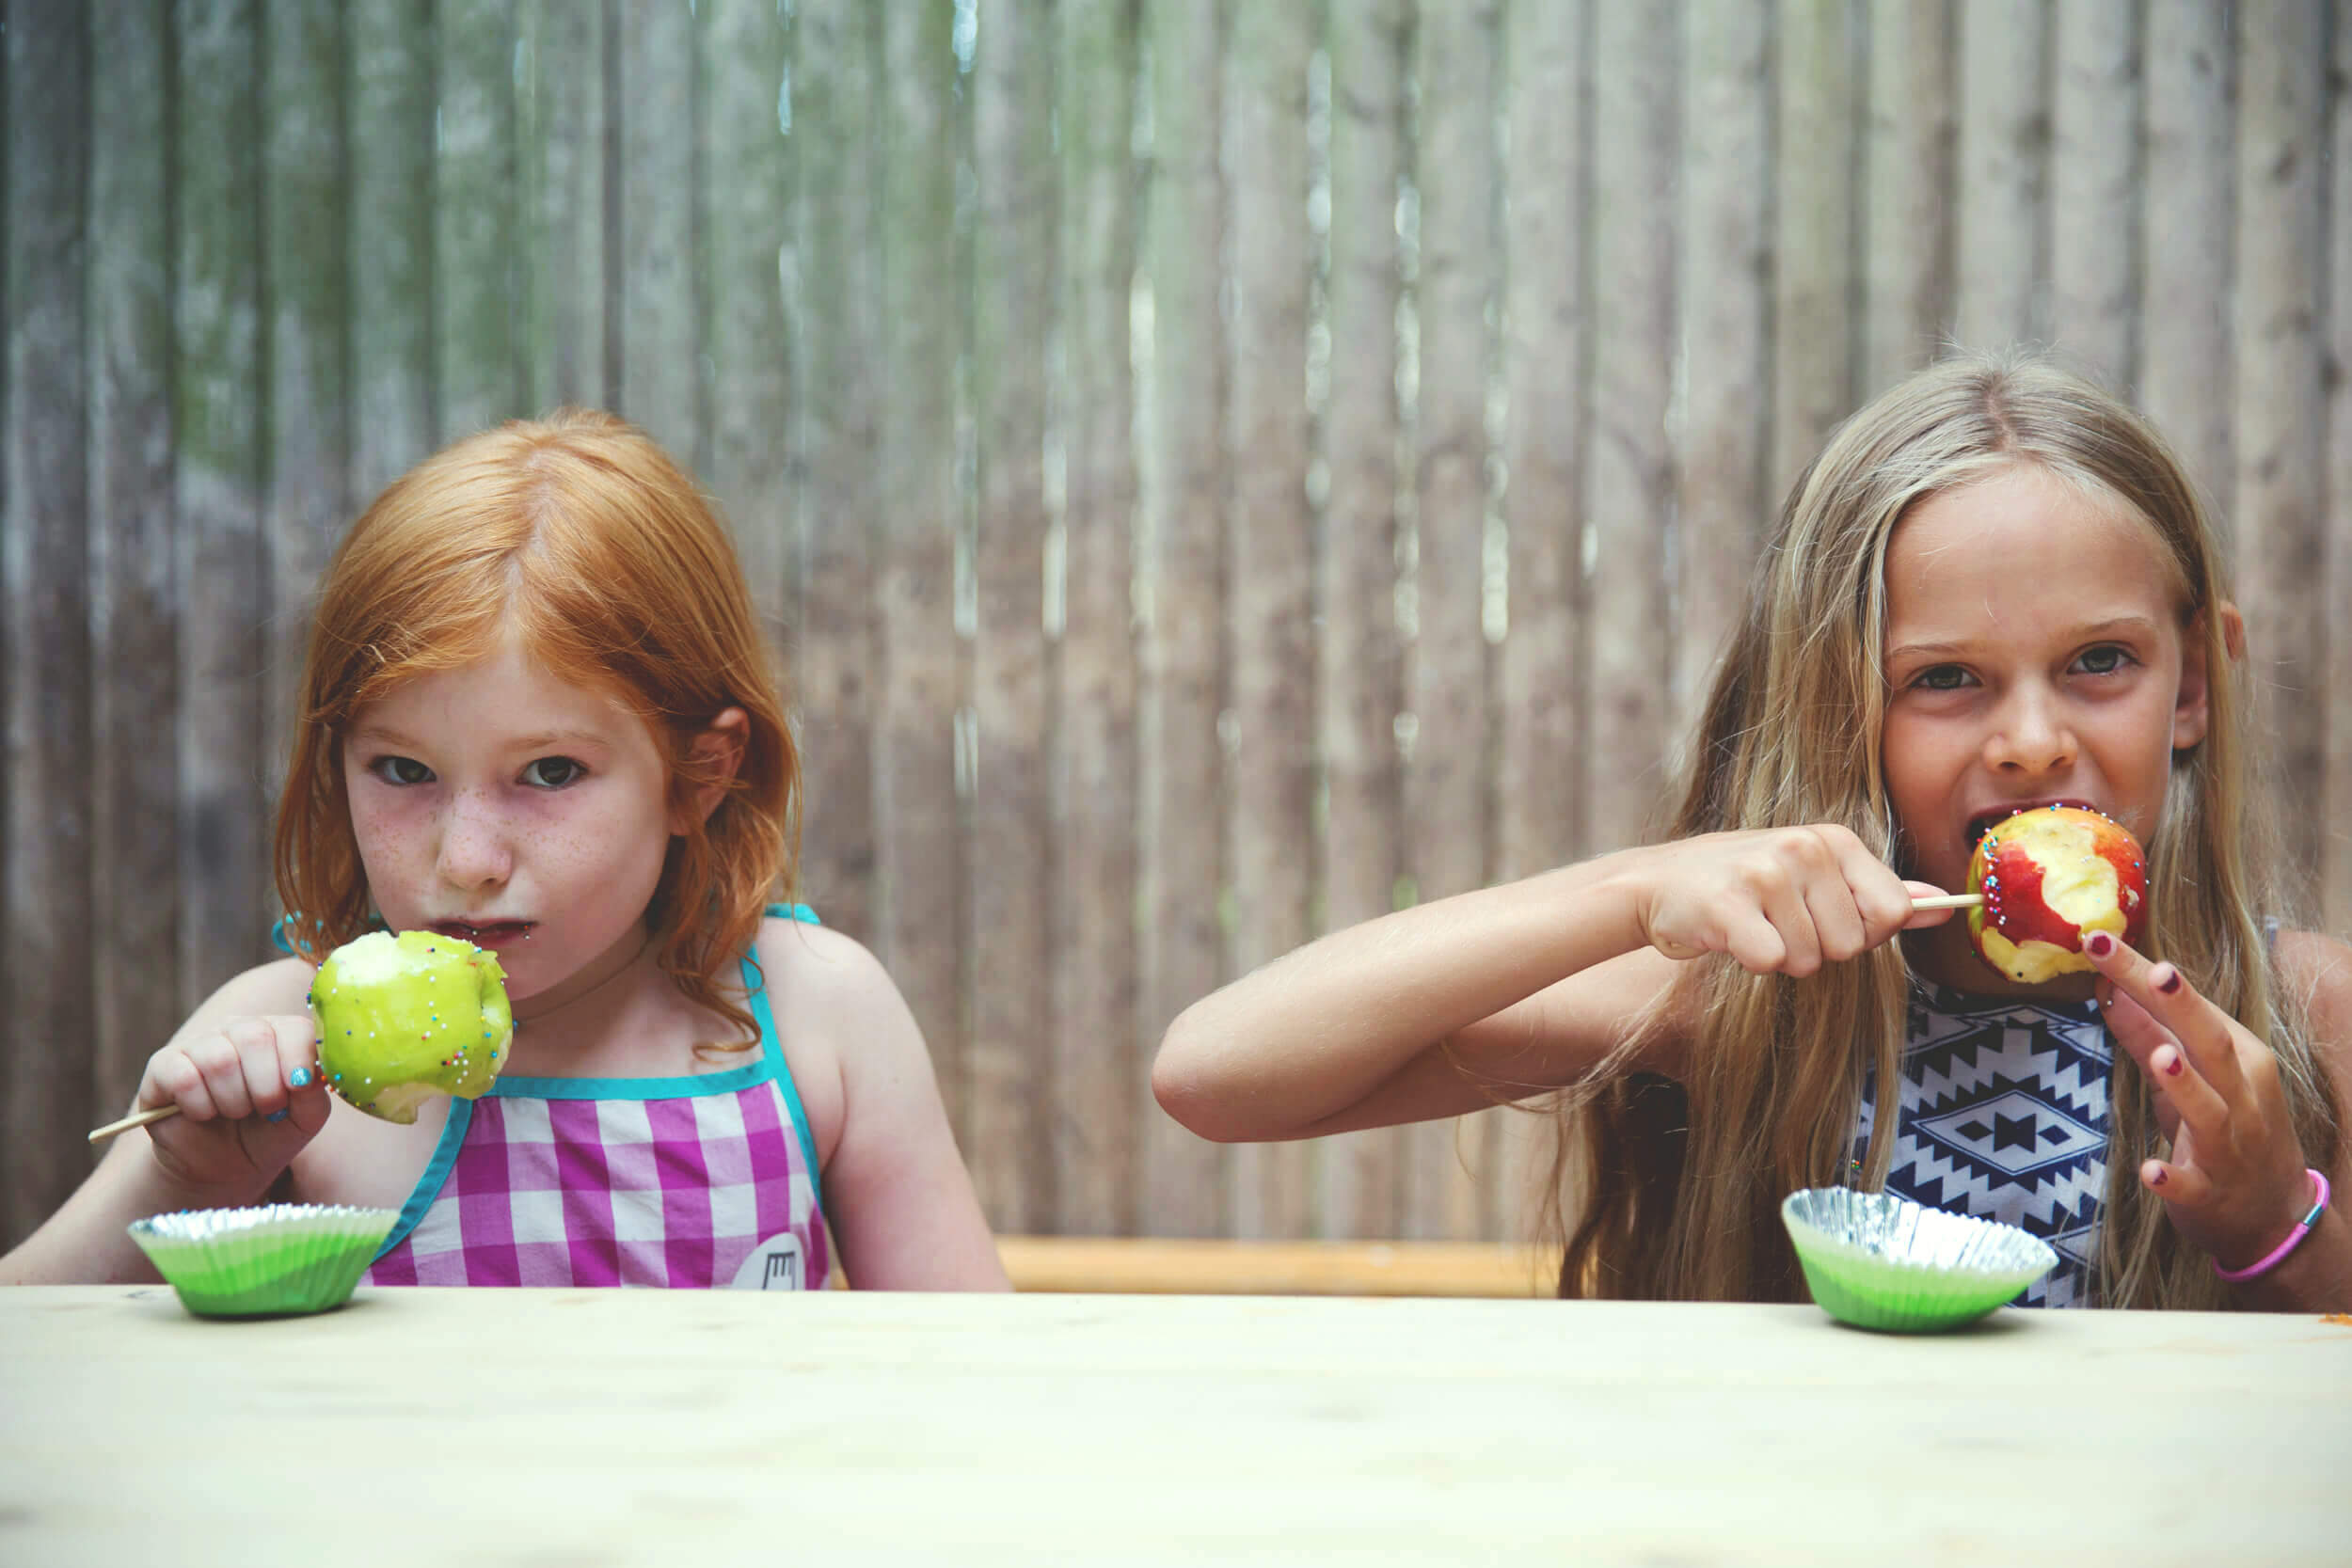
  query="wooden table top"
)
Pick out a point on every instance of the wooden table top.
point(542, 1427)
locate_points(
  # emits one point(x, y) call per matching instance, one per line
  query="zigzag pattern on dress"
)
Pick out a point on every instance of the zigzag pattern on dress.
point(2002, 1114)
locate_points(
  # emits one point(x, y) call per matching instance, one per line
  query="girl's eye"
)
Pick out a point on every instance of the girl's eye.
point(401, 771)
point(1941, 677)
point(2104, 659)
point(552, 772)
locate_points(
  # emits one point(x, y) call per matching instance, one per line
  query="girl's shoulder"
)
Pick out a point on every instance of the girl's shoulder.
point(808, 964)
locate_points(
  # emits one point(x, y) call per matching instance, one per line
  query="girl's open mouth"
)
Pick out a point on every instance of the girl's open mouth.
point(493, 934)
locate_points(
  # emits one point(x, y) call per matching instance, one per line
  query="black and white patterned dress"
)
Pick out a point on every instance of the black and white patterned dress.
point(2002, 1113)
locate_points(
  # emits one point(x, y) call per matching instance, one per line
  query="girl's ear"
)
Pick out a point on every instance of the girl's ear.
point(2192, 708)
point(713, 760)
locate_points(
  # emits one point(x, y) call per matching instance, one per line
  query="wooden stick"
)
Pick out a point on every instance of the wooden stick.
point(153, 1112)
point(1949, 902)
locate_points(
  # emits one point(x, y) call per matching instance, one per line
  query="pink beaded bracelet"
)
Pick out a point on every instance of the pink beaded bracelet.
point(2293, 1239)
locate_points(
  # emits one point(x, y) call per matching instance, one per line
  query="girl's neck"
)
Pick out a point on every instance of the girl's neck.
point(606, 1021)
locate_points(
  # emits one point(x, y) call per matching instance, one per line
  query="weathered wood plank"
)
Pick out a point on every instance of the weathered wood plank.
point(1359, 1176)
point(1447, 793)
point(2096, 185)
point(746, 202)
point(921, 507)
point(134, 610)
point(1815, 323)
point(1270, 603)
point(476, 222)
point(1546, 321)
point(2003, 268)
point(2282, 136)
point(304, 224)
point(2335, 803)
point(1627, 473)
point(2186, 235)
point(1907, 194)
point(390, 160)
point(564, 139)
point(1720, 506)
point(219, 445)
point(1184, 577)
point(836, 399)
point(1099, 1053)
point(44, 614)
point(654, 270)
point(1007, 923)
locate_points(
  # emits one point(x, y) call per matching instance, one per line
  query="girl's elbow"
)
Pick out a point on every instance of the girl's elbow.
point(1186, 1092)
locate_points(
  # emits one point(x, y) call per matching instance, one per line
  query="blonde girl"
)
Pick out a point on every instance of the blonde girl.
point(1993, 589)
point(539, 715)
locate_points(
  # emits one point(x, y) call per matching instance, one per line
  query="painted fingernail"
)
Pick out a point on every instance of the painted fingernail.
point(299, 1078)
point(274, 1115)
point(2159, 1179)
point(2099, 945)
point(2173, 1067)
point(2170, 983)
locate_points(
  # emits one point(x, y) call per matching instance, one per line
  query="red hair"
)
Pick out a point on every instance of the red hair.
point(614, 572)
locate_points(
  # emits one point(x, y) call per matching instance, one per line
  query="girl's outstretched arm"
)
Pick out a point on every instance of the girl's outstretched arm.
point(2237, 1183)
point(1513, 989)
point(896, 1195)
point(242, 1072)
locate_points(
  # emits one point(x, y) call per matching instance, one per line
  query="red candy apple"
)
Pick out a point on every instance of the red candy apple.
point(2050, 876)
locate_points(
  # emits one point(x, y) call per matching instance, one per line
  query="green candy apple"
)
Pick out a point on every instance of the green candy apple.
point(407, 1015)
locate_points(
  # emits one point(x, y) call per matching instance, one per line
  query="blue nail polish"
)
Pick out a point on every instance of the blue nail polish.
point(274, 1115)
point(299, 1078)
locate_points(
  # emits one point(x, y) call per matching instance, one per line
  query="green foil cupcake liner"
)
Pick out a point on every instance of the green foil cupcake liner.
point(1879, 1261)
point(270, 1261)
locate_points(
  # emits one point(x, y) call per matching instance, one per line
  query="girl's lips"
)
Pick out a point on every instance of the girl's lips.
point(492, 934)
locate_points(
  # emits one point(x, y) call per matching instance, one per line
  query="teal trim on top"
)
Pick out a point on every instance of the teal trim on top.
point(757, 986)
point(436, 1174)
point(683, 1085)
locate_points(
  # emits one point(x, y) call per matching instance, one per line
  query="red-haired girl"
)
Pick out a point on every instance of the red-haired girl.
point(537, 714)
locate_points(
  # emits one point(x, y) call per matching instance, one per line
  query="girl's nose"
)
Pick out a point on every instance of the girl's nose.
point(474, 846)
point(2031, 734)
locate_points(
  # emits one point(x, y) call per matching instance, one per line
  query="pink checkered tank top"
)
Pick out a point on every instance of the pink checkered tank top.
point(701, 1181)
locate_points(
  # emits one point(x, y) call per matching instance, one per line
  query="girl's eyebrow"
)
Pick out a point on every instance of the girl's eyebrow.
point(2089, 631)
point(380, 734)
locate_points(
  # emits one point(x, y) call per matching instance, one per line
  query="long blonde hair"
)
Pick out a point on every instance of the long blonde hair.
point(1681, 1182)
point(579, 534)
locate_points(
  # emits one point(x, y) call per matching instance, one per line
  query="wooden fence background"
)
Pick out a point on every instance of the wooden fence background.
point(1218, 470)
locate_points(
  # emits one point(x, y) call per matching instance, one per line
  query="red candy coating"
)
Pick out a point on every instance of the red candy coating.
point(2048, 875)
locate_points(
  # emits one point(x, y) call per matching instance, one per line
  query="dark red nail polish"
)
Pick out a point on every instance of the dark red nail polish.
point(2099, 943)
point(2159, 1180)
point(2170, 983)
point(2172, 1069)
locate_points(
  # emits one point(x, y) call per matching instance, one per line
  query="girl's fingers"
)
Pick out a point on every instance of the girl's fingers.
point(1785, 907)
point(1756, 943)
point(2192, 1100)
point(216, 1059)
point(2175, 1184)
point(256, 1044)
point(176, 1082)
point(1914, 920)
point(1837, 919)
point(2203, 1030)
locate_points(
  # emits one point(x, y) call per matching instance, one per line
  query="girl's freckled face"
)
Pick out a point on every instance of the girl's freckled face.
point(497, 793)
point(2035, 652)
